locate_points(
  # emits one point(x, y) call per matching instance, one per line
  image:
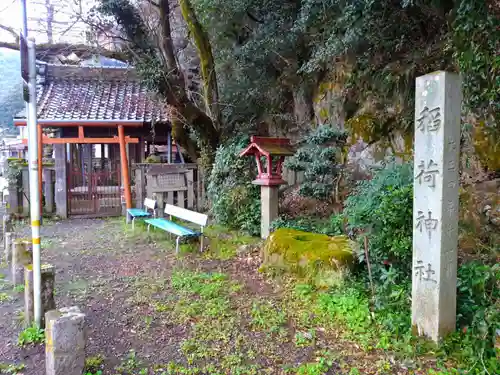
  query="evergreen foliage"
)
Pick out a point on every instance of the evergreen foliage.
point(318, 159)
point(235, 200)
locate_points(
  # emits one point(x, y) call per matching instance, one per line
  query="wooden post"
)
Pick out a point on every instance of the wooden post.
point(124, 165)
point(40, 166)
point(169, 147)
point(61, 188)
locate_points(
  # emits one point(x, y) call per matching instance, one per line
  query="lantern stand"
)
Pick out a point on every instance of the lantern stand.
point(269, 175)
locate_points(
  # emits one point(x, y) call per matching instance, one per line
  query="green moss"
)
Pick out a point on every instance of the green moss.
point(317, 257)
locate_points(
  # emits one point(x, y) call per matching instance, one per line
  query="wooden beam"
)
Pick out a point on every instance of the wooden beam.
point(62, 123)
point(57, 141)
point(81, 133)
point(124, 164)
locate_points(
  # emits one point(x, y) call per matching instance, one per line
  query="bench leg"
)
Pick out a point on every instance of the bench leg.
point(177, 245)
point(133, 223)
point(201, 243)
point(127, 216)
point(149, 225)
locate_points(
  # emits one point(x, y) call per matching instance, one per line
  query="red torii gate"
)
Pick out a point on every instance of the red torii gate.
point(121, 139)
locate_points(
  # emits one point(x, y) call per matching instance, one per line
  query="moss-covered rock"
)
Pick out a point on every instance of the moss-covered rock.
point(318, 258)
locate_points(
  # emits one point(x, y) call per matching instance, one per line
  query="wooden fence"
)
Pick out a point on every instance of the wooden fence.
point(176, 184)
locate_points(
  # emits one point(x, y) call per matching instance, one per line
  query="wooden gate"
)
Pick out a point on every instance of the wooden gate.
point(94, 183)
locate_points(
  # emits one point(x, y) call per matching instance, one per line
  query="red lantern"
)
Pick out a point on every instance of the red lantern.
point(273, 150)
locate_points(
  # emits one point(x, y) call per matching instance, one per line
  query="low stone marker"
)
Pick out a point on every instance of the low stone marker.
point(65, 341)
point(21, 256)
point(47, 290)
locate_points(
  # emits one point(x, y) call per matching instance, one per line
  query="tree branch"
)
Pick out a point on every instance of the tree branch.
point(166, 43)
point(11, 31)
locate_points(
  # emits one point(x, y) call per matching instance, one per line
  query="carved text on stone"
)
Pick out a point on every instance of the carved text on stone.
point(427, 223)
point(427, 173)
point(424, 274)
point(429, 120)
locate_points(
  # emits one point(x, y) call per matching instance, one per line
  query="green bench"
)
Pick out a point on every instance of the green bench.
point(141, 213)
point(177, 229)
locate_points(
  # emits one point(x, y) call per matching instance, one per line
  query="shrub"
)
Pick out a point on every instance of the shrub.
point(381, 208)
point(235, 200)
point(318, 159)
point(478, 318)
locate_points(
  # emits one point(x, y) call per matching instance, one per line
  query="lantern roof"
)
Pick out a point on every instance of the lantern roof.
point(269, 146)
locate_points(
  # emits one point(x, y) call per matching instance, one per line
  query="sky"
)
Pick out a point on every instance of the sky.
point(66, 27)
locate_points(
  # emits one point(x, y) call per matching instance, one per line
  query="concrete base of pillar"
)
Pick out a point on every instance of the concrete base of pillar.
point(47, 290)
point(65, 341)
point(269, 198)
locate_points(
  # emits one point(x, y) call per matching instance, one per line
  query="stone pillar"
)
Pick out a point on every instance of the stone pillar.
point(269, 208)
point(48, 191)
point(21, 256)
point(435, 205)
point(7, 251)
point(26, 191)
point(65, 341)
point(139, 186)
point(47, 290)
point(6, 226)
point(61, 188)
point(13, 199)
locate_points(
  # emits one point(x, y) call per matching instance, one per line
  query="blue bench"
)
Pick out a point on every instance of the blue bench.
point(177, 229)
point(139, 213)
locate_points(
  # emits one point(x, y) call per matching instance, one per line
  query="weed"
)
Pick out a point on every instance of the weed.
point(316, 368)
point(162, 307)
point(11, 369)
point(93, 364)
point(266, 316)
point(19, 288)
point(131, 364)
point(4, 297)
point(303, 339)
point(31, 335)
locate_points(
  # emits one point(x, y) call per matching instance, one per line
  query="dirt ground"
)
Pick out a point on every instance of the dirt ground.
point(151, 312)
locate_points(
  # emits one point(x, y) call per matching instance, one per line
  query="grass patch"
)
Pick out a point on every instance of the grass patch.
point(268, 317)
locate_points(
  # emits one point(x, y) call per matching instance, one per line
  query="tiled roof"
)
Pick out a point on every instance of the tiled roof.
point(76, 93)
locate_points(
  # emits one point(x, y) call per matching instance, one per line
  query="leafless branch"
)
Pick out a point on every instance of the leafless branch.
point(11, 31)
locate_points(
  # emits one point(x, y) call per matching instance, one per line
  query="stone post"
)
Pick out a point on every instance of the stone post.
point(65, 341)
point(47, 290)
point(7, 252)
point(139, 186)
point(269, 208)
point(26, 191)
point(7, 226)
point(61, 189)
point(13, 199)
point(435, 205)
point(48, 190)
point(21, 256)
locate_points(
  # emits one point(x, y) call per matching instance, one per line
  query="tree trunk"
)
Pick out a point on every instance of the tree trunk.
point(202, 42)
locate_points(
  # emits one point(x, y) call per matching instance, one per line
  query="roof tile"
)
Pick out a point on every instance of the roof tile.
point(97, 93)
